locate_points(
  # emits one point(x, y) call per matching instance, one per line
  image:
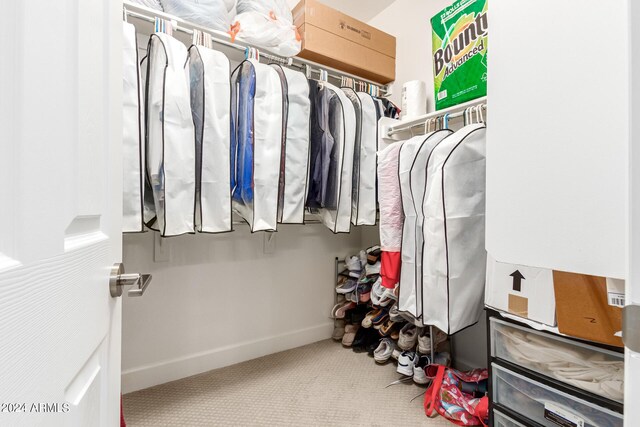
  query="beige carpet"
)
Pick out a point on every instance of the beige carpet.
point(321, 384)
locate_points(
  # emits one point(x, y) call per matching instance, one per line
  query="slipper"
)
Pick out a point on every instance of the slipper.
point(366, 322)
point(349, 334)
point(380, 318)
point(385, 328)
point(340, 309)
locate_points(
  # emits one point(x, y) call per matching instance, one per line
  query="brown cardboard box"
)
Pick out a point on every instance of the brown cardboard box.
point(339, 41)
point(583, 310)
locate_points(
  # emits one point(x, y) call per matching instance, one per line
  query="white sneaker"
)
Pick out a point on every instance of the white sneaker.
point(405, 363)
point(353, 264)
point(419, 363)
point(370, 270)
point(408, 337)
point(424, 341)
point(384, 351)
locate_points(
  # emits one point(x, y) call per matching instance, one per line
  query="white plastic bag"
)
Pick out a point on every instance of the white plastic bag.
point(210, 106)
point(152, 4)
point(294, 174)
point(267, 24)
point(215, 14)
point(132, 135)
point(454, 224)
point(256, 143)
point(170, 135)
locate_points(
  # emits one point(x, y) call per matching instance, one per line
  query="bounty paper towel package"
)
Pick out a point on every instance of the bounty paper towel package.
point(459, 36)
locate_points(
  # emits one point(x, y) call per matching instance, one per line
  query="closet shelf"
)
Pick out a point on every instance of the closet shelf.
point(146, 14)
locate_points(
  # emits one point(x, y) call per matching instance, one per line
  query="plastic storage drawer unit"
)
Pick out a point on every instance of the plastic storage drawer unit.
point(589, 368)
point(501, 420)
point(546, 405)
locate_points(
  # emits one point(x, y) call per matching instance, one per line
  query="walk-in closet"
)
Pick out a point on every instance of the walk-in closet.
point(320, 212)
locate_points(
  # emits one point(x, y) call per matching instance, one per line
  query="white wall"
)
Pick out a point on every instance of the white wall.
point(221, 300)
point(409, 21)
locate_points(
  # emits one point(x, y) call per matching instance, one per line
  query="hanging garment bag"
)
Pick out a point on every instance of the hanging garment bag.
point(210, 107)
point(295, 149)
point(171, 157)
point(355, 172)
point(343, 222)
point(364, 201)
point(391, 217)
point(414, 156)
point(132, 135)
point(256, 143)
point(454, 258)
point(320, 136)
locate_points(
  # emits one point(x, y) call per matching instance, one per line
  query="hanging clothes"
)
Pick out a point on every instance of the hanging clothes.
point(210, 107)
point(256, 143)
point(391, 216)
point(364, 200)
point(294, 173)
point(454, 258)
point(414, 157)
point(170, 134)
point(320, 136)
point(132, 135)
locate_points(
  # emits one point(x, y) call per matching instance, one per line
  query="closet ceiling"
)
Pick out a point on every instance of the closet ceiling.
point(363, 10)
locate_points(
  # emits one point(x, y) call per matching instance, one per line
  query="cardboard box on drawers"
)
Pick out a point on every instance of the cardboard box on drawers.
point(589, 307)
point(339, 41)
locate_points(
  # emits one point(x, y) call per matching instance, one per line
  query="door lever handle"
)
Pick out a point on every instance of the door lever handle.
point(118, 280)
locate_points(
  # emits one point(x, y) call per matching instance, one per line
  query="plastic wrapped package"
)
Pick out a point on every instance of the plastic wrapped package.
point(152, 4)
point(294, 172)
point(170, 133)
point(215, 14)
point(267, 24)
point(256, 143)
point(454, 258)
point(210, 107)
point(133, 135)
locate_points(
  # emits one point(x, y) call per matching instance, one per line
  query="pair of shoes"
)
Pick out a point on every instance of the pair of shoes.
point(380, 295)
point(412, 364)
point(338, 329)
point(372, 269)
point(384, 351)
point(364, 292)
point(348, 285)
point(364, 339)
point(349, 334)
point(367, 322)
point(373, 254)
point(408, 337)
point(394, 314)
point(354, 266)
point(356, 314)
point(424, 340)
point(339, 310)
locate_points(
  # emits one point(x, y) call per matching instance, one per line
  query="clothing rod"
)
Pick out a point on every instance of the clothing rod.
point(453, 112)
point(149, 15)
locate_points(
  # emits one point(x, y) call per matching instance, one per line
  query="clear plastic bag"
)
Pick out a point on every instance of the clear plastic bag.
point(215, 14)
point(268, 25)
point(152, 4)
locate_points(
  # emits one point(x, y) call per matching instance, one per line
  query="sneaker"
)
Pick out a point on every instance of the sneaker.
point(380, 295)
point(371, 270)
point(367, 321)
point(338, 329)
point(408, 337)
point(384, 350)
point(373, 254)
point(364, 341)
point(405, 363)
point(396, 352)
point(378, 320)
point(349, 334)
point(387, 327)
point(351, 297)
point(353, 265)
point(364, 292)
point(394, 314)
point(424, 341)
point(419, 363)
point(340, 309)
point(347, 286)
point(362, 255)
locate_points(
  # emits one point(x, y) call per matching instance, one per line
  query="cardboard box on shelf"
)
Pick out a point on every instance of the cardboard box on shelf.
point(339, 41)
point(521, 290)
point(589, 307)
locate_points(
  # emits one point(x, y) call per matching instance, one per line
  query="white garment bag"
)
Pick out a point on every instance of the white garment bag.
point(413, 164)
point(132, 135)
point(256, 143)
point(454, 258)
point(294, 174)
point(343, 117)
point(171, 157)
point(210, 107)
point(364, 204)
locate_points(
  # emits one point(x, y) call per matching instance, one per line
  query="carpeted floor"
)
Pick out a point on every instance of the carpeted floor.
point(321, 384)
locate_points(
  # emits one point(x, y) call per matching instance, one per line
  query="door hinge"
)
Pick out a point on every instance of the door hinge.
point(631, 327)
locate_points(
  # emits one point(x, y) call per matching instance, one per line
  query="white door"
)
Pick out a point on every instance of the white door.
point(60, 212)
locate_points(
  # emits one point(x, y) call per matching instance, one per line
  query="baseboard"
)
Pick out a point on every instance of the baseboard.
point(170, 370)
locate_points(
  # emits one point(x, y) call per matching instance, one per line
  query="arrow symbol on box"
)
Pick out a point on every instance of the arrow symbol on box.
point(517, 280)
